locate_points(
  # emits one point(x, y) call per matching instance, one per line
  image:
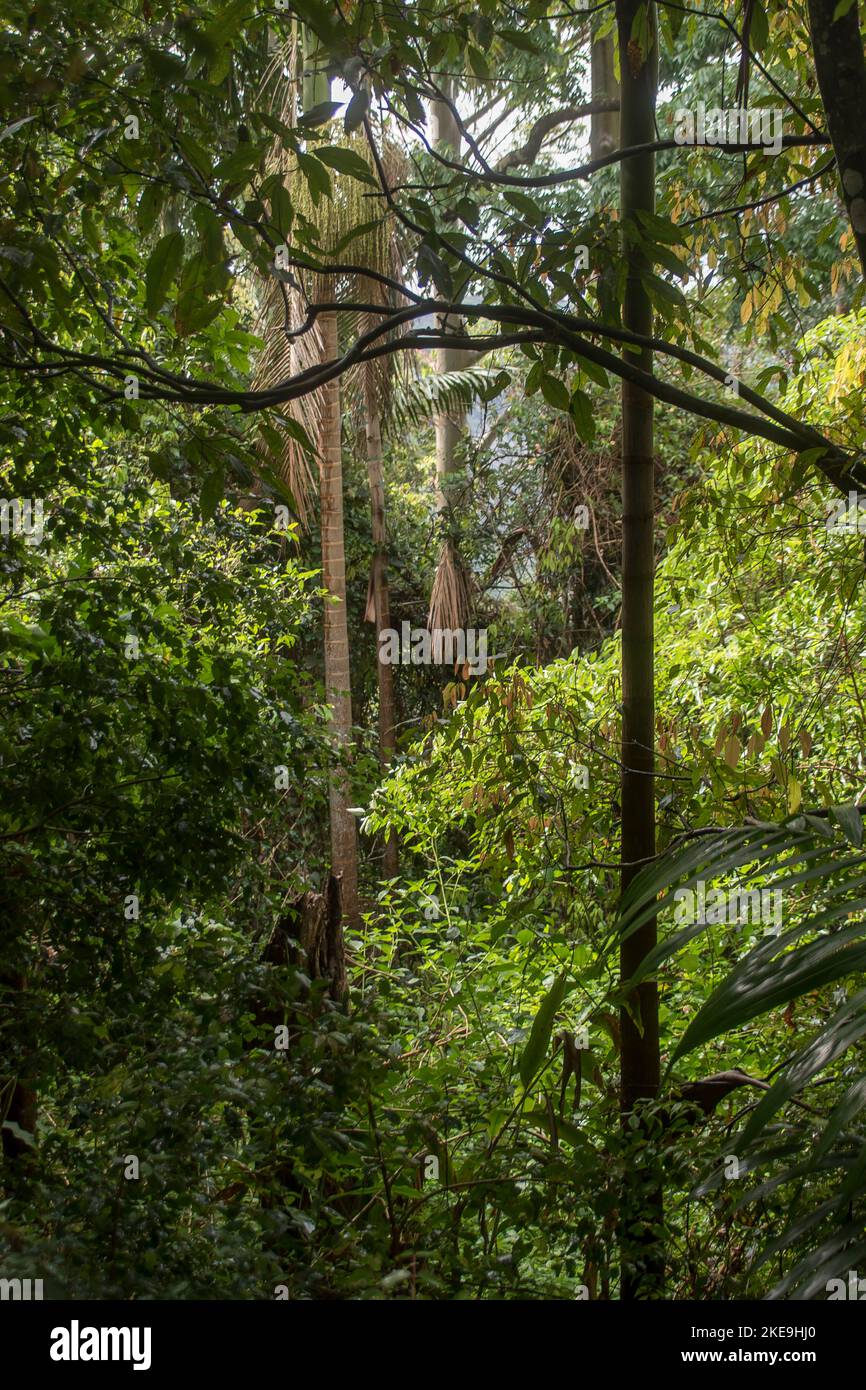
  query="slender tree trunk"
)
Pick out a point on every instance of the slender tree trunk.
point(837, 46)
point(604, 125)
point(344, 840)
point(642, 1252)
point(445, 132)
point(315, 88)
point(451, 611)
point(381, 601)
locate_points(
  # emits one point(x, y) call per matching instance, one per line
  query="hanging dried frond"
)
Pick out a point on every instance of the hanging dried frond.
point(451, 595)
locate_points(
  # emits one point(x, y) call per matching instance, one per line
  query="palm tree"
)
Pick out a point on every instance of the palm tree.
point(284, 306)
point(378, 595)
point(333, 218)
point(450, 597)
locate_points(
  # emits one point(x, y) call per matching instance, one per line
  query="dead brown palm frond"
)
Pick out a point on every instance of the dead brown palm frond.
point(577, 476)
point(376, 576)
point(451, 595)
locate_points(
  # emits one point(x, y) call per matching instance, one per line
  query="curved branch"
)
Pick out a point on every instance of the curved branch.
point(529, 152)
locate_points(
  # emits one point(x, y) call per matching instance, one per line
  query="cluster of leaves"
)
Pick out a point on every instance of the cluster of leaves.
point(756, 706)
point(165, 772)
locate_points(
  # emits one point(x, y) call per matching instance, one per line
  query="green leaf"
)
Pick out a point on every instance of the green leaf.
point(346, 162)
point(848, 1025)
point(162, 267)
point(850, 822)
point(769, 977)
point(298, 433)
point(516, 39)
point(317, 176)
point(149, 205)
point(580, 409)
point(594, 372)
point(211, 494)
point(555, 392)
point(850, 1105)
point(282, 212)
point(430, 266)
point(236, 166)
point(539, 1037)
point(531, 210)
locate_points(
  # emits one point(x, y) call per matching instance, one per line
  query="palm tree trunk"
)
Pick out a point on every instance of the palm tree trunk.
point(448, 602)
point(344, 840)
point(381, 602)
point(642, 1253)
point(604, 125)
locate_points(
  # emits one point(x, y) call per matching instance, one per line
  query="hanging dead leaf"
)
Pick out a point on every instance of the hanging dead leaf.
point(733, 749)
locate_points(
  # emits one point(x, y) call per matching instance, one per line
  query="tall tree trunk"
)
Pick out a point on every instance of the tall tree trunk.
point(316, 88)
point(344, 840)
point(448, 604)
point(642, 1253)
point(604, 125)
point(837, 46)
point(379, 602)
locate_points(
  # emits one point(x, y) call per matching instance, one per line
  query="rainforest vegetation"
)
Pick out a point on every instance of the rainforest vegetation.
point(432, 726)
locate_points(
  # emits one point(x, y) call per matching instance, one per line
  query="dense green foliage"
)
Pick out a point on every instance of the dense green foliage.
point(192, 1104)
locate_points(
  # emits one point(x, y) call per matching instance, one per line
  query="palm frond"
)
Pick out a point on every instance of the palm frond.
point(441, 393)
point(818, 861)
